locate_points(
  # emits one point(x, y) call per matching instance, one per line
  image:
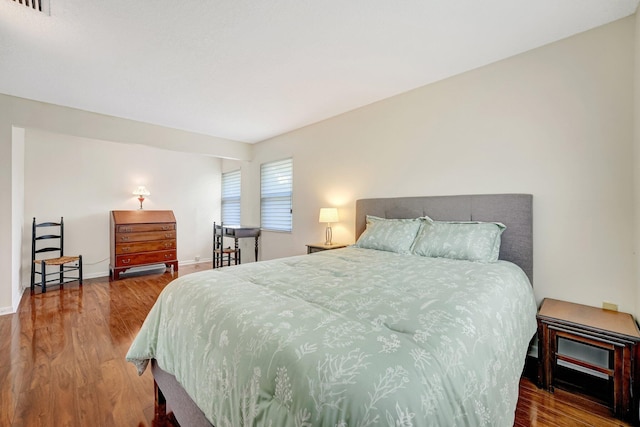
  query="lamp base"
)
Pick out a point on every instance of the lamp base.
point(141, 199)
point(328, 236)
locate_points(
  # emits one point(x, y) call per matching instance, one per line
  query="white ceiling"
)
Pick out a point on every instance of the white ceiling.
point(248, 70)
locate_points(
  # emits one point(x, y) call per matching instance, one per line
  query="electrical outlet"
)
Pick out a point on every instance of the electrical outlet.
point(609, 306)
point(197, 257)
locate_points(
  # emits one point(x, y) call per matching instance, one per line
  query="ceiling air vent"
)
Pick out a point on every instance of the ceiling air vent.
point(39, 5)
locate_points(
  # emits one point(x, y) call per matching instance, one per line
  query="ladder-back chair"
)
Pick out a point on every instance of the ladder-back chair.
point(48, 238)
point(222, 255)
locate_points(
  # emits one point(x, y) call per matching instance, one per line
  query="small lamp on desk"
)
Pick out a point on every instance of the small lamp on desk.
point(328, 215)
point(141, 191)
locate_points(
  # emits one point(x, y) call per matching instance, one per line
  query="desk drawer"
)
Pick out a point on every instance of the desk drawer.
point(145, 258)
point(147, 246)
point(136, 228)
point(143, 237)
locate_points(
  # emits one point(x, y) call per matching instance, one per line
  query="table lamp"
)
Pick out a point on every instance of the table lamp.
point(141, 191)
point(328, 215)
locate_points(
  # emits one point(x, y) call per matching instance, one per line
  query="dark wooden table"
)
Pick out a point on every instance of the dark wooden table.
point(241, 231)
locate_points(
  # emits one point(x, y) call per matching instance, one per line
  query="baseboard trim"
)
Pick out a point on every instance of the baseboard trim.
point(6, 310)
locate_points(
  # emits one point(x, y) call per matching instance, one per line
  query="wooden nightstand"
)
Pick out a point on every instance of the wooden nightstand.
point(568, 332)
point(319, 247)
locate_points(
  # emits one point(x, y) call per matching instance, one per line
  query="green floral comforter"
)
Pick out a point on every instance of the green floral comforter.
point(348, 337)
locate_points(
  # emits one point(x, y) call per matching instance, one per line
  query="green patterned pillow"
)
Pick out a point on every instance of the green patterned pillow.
point(392, 235)
point(471, 241)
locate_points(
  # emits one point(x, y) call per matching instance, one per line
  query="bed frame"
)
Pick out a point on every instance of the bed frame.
point(513, 210)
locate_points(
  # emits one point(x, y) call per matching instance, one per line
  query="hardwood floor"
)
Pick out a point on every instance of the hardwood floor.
point(62, 362)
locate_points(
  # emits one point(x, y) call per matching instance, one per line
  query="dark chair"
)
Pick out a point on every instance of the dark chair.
point(48, 237)
point(222, 255)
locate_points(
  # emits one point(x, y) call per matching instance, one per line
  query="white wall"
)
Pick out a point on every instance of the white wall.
point(17, 207)
point(83, 179)
point(555, 122)
point(18, 113)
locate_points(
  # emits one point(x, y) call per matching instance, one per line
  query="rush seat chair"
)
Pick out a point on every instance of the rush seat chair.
point(220, 252)
point(47, 240)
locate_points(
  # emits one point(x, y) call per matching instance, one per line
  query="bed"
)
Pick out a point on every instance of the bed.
point(361, 336)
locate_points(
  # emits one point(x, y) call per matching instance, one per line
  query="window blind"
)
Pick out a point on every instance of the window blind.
point(276, 190)
point(231, 198)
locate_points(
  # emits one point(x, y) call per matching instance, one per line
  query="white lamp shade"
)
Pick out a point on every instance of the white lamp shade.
point(328, 215)
point(141, 191)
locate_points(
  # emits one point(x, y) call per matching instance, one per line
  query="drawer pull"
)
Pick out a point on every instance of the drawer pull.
point(125, 249)
point(168, 235)
point(124, 238)
point(166, 227)
point(126, 261)
point(168, 256)
point(127, 229)
point(168, 245)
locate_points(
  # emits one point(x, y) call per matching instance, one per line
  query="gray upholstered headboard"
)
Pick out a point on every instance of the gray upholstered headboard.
point(513, 210)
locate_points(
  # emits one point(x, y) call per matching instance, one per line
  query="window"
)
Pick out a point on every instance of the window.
point(276, 189)
point(231, 198)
